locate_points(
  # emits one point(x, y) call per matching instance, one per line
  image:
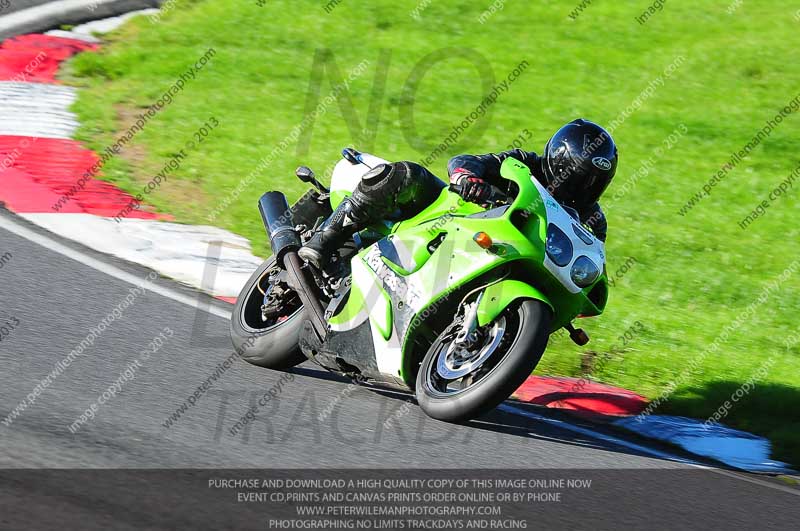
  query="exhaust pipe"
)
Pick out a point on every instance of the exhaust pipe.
point(277, 218)
point(285, 243)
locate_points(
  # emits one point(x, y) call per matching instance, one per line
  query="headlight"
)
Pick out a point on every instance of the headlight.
point(584, 272)
point(559, 247)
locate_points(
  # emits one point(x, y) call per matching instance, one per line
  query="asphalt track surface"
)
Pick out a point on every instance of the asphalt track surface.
point(315, 421)
point(18, 5)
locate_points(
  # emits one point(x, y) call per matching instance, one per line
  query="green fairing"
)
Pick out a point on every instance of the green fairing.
point(498, 296)
point(381, 316)
point(337, 196)
point(459, 260)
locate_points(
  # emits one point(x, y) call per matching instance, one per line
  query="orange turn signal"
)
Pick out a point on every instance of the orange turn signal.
point(483, 240)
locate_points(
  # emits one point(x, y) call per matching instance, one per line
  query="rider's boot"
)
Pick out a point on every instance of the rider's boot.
point(346, 220)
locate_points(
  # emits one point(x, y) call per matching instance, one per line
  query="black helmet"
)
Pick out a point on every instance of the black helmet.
point(579, 162)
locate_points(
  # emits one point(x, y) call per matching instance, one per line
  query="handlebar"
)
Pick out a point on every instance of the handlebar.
point(496, 195)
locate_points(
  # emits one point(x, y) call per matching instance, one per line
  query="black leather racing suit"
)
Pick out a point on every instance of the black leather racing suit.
point(401, 190)
point(487, 167)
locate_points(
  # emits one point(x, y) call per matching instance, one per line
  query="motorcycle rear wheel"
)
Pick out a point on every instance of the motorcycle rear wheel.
point(456, 384)
point(273, 343)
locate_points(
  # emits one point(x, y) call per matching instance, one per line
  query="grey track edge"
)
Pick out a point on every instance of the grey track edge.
point(52, 15)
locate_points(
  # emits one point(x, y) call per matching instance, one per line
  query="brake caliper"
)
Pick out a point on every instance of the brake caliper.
point(277, 297)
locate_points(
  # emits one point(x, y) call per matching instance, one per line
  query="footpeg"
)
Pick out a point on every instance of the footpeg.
point(578, 335)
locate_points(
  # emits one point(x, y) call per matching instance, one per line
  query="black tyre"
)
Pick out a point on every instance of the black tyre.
point(272, 343)
point(458, 383)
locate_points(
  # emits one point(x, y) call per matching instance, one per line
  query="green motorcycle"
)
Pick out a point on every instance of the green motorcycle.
point(456, 303)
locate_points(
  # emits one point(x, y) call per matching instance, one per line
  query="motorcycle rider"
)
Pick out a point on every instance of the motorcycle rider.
point(577, 165)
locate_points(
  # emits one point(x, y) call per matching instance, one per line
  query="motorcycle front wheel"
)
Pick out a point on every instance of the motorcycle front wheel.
point(458, 382)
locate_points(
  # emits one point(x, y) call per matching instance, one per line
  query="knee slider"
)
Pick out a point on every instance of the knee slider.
point(376, 175)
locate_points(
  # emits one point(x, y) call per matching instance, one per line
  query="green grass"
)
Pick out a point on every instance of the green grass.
point(694, 274)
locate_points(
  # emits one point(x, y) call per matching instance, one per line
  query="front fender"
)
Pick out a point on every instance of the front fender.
point(497, 297)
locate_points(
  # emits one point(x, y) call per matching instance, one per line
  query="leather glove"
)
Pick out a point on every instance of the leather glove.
point(473, 189)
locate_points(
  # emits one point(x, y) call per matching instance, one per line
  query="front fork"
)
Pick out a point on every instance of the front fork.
point(466, 335)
